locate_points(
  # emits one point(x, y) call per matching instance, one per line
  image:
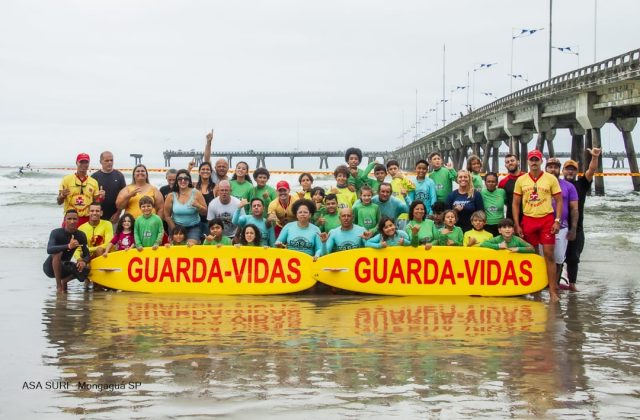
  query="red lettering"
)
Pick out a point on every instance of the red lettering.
point(167, 271)
point(147, 266)
point(396, 272)
point(494, 272)
point(197, 276)
point(379, 276)
point(237, 272)
point(413, 270)
point(434, 275)
point(278, 272)
point(471, 274)
point(261, 270)
point(364, 275)
point(510, 274)
point(135, 274)
point(183, 269)
point(447, 273)
point(215, 271)
point(525, 269)
point(294, 268)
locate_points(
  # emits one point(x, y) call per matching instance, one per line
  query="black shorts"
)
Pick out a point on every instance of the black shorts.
point(68, 269)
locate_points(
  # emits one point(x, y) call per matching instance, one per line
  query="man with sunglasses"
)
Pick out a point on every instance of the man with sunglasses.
point(78, 190)
point(540, 222)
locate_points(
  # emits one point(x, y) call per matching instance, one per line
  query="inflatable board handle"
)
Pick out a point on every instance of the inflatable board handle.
point(335, 270)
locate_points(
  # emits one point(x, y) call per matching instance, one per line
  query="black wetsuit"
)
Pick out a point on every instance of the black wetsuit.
point(59, 242)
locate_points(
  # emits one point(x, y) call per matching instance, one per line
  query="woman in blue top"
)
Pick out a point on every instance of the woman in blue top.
point(465, 200)
point(301, 235)
point(389, 235)
point(184, 206)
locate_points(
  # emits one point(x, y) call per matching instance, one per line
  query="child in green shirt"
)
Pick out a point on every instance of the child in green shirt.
point(215, 236)
point(507, 240)
point(148, 229)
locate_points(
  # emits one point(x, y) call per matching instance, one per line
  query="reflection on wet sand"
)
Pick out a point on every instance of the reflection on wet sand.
point(371, 350)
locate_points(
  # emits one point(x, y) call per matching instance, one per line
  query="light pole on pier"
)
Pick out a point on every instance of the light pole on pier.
point(519, 77)
point(515, 34)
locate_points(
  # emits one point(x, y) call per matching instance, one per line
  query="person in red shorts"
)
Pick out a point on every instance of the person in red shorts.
point(539, 223)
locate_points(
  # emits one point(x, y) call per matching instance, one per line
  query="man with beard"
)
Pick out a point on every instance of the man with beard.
point(512, 164)
point(99, 232)
point(583, 186)
point(539, 223)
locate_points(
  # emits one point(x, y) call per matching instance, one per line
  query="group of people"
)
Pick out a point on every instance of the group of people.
point(521, 212)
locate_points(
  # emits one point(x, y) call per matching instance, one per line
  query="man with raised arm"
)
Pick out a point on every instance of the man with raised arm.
point(583, 186)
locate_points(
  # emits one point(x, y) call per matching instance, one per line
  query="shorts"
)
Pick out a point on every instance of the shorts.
point(193, 232)
point(69, 268)
point(539, 230)
point(561, 245)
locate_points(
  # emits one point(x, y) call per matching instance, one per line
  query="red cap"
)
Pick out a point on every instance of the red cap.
point(82, 156)
point(534, 153)
point(283, 184)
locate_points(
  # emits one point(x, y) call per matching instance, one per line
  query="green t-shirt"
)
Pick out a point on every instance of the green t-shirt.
point(477, 181)
point(515, 242)
point(456, 236)
point(494, 204)
point(366, 216)
point(443, 178)
point(363, 176)
point(426, 234)
point(267, 194)
point(148, 231)
point(330, 221)
point(223, 241)
point(241, 190)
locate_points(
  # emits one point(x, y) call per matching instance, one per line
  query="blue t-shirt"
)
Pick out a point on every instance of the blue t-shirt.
point(305, 240)
point(393, 207)
point(470, 205)
point(394, 241)
point(342, 240)
point(268, 236)
point(425, 191)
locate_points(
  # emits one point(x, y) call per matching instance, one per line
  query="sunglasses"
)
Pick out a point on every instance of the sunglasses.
point(183, 178)
point(82, 185)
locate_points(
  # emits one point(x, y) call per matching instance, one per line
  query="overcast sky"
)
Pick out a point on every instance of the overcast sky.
point(142, 76)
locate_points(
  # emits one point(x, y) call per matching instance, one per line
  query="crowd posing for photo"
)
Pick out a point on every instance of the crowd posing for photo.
point(537, 211)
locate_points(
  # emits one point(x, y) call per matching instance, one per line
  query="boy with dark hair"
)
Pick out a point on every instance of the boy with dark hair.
point(346, 197)
point(442, 176)
point(507, 240)
point(357, 177)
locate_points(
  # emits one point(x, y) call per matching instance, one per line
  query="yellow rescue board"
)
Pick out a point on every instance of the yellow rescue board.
point(205, 269)
point(406, 271)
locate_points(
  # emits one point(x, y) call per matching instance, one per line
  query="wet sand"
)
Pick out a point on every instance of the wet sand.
point(331, 356)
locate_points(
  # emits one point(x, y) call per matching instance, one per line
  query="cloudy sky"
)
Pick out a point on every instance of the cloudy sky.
point(142, 76)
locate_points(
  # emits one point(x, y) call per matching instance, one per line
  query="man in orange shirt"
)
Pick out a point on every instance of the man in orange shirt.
point(78, 190)
point(539, 223)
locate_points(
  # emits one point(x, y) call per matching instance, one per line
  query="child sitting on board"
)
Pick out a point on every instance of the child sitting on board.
point(507, 240)
point(389, 235)
point(216, 234)
point(450, 234)
point(477, 235)
point(123, 238)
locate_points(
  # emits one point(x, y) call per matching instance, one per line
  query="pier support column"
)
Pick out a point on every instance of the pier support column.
point(524, 150)
point(291, 157)
point(495, 163)
point(626, 125)
point(577, 146)
point(324, 160)
point(549, 136)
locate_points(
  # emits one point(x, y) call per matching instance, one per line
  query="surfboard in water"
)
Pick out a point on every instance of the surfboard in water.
point(407, 271)
point(205, 269)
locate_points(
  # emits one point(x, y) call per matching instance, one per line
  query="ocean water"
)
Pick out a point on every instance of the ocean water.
point(110, 355)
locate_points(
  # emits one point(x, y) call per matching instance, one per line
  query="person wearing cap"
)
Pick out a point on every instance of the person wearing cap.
point(568, 217)
point(280, 210)
point(582, 185)
point(539, 223)
point(110, 182)
point(223, 207)
point(78, 190)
